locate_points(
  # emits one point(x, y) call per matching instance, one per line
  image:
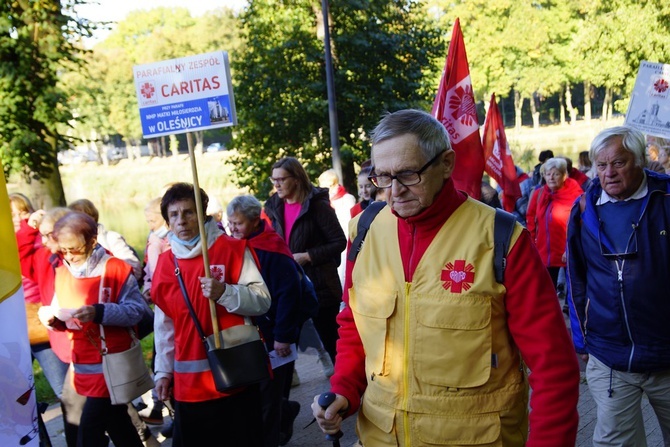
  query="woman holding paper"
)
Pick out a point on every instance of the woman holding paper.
point(92, 289)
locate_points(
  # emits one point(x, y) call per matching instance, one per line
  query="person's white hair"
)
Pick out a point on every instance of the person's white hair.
point(246, 205)
point(328, 178)
point(556, 163)
point(632, 140)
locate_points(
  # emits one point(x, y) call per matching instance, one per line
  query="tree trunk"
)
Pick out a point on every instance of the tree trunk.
point(501, 106)
point(610, 109)
point(518, 106)
point(561, 105)
point(163, 150)
point(606, 103)
point(571, 109)
point(152, 144)
point(45, 193)
point(129, 149)
point(535, 112)
point(587, 101)
point(101, 151)
point(199, 141)
point(98, 148)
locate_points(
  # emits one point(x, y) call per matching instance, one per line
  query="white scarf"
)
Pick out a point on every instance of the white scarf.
point(184, 252)
point(89, 268)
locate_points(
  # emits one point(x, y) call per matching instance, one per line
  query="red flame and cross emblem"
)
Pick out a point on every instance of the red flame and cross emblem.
point(661, 85)
point(458, 276)
point(462, 105)
point(147, 90)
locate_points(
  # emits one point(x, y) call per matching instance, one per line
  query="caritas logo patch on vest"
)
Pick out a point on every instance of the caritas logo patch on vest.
point(218, 271)
point(106, 295)
point(458, 276)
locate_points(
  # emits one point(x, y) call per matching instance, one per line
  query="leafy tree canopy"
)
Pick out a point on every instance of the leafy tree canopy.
point(386, 55)
point(38, 40)
point(106, 98)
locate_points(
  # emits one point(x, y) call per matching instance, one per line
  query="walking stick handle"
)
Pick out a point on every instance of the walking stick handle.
point(325, 399)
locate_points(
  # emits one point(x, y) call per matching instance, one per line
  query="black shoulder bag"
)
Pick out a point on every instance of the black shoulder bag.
point(241, 360)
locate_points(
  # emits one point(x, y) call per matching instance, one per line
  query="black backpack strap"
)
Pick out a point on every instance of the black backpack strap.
point(362, 228)
point(503, 228)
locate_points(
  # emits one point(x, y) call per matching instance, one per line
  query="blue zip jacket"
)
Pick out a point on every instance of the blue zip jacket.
point(619, 306)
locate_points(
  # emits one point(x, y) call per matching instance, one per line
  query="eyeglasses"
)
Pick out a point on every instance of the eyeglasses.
point(74, 251)
point(279, 180)
point(631, 246)
point(405, 178)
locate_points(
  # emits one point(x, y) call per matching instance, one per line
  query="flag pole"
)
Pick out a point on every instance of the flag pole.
point(203, 234)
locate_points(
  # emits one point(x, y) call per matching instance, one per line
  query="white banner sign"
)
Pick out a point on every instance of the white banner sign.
point(649, 108)
point(185, 94)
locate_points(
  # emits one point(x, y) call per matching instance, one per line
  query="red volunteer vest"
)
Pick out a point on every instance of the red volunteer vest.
point(73, 293)
point(193, 380)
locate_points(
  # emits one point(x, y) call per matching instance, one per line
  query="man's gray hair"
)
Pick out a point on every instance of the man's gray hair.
point(632, 140)
point(248, 206)
point(431, 134)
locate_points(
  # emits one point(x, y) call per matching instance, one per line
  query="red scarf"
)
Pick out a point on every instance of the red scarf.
point(341, 192)
point(268, 239)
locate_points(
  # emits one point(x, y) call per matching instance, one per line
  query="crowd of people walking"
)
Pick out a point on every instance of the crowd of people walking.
point(426, 340)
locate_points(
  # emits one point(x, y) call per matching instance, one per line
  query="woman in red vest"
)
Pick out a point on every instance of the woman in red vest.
point(93, 288)
point(203, 415)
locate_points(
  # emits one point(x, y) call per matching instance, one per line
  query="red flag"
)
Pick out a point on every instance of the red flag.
point(499, 163)
point(455, 108)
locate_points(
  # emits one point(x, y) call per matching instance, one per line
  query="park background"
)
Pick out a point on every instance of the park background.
point(69, 121)
point(548, 63)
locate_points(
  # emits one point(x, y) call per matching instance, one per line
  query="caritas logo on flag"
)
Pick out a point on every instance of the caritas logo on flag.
point(455, 108)
point(460, 118)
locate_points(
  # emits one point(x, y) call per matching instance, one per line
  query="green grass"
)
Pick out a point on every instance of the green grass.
point(147, 345)
point(43, 390)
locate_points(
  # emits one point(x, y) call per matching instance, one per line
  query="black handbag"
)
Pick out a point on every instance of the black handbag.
point(241, 360)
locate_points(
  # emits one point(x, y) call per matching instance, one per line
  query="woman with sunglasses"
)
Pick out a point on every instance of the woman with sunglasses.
point(40, 263)
point(91, 289)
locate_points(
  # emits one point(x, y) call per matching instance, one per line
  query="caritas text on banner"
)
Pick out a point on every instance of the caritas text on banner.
point(185, 94)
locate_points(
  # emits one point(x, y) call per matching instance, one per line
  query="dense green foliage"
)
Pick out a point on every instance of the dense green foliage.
point(557, 56)
point(539, 50)
point(383, 58)
point(36, 44)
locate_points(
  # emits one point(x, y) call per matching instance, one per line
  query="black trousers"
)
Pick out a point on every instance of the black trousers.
point(230, 421)
point(553, 272)
point(327, 327)
point(98, 416)
point(272, 395)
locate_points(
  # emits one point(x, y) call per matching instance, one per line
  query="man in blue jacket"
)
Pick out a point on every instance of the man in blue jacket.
point(618, 268)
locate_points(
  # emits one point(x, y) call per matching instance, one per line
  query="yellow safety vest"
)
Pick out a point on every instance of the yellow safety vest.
point(438, 349)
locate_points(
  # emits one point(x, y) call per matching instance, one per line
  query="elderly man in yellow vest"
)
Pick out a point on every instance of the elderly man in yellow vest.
point(432, 348)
